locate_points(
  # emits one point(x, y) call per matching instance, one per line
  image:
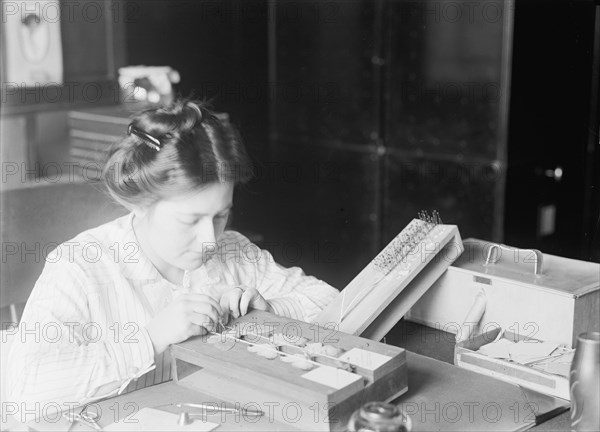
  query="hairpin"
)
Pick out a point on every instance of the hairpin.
point(148, 139)
point(196, 108)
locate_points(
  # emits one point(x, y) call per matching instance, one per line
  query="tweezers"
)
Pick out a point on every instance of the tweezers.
point(83, 419)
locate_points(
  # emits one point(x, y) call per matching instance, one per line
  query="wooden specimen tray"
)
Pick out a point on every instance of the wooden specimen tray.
point(320, 399)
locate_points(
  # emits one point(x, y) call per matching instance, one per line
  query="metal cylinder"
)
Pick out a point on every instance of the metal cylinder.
point(379, 417)
point(585, 383)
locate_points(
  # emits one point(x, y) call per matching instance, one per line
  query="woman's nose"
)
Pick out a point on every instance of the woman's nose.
point(205, 236)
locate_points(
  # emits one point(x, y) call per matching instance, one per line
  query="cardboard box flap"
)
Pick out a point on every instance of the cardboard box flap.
point(564, 276)
point(381, 294)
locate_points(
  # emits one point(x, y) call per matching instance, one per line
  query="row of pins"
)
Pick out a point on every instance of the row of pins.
point(434, 219)
point(405, 242)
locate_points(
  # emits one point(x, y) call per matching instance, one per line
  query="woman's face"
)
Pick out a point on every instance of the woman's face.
point(181, 232)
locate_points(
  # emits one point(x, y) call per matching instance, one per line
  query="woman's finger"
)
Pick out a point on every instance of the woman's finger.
point(247, 300)
point(202, 298)
point(207, 309)
point(198, 330)
point(203, 320)
point(224, 303)
point(234, 301)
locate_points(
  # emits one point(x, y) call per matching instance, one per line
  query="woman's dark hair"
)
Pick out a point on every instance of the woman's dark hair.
point(174, 149)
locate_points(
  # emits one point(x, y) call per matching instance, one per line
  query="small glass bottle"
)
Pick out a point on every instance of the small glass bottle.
point(585, 383)
point(379, 417)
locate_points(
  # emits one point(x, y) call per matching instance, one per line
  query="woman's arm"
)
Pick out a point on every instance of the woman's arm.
point(61, 355)
point(290, 292)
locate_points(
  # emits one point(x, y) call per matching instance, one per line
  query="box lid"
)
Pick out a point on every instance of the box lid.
point(564, 276)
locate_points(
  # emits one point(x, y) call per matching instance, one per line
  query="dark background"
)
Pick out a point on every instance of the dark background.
point(358, 114)
point(364, 112)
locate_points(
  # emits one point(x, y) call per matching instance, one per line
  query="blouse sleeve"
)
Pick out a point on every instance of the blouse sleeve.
point(60, 356)
point(290, 292)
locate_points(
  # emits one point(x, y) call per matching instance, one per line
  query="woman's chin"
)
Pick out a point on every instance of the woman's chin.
point(192, 261)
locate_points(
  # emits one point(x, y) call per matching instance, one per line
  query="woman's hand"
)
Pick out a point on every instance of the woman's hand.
point(187, 315)
point(238, 301)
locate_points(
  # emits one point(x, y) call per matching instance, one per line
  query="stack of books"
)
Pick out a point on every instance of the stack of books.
point(92, 131)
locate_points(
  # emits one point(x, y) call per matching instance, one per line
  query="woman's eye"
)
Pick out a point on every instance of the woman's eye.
point(188, 221)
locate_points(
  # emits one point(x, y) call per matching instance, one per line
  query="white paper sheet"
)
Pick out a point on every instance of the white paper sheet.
point(498, 349)
point(332, 377)
point(365, 359)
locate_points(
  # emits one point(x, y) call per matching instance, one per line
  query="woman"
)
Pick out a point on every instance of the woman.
point(110, 302)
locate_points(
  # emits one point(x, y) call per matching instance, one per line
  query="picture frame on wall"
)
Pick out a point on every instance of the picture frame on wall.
point(32, 43)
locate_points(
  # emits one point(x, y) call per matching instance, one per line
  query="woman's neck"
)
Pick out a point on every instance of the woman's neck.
point(166, 270)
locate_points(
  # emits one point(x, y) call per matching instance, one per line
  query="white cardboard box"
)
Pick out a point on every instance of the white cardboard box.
point(555, 305)
point(467, 357)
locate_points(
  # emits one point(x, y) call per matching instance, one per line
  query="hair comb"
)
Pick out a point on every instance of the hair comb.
point(148, 139)
point(196, 108)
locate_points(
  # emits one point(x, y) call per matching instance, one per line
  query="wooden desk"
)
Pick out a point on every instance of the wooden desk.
point(561, 422)
point(440, 397)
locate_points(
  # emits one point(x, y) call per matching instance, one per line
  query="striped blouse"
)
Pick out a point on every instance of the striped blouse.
point(82, 337)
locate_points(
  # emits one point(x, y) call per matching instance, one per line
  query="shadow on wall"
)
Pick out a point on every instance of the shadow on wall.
point(37, 218)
